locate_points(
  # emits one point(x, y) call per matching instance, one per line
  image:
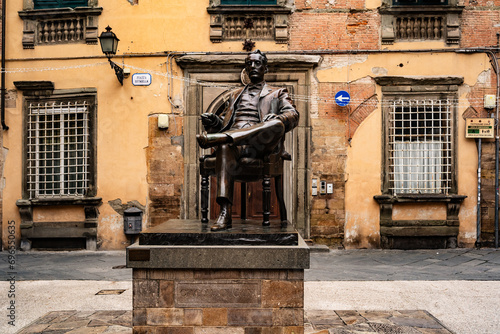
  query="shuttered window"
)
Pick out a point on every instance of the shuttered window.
point(248, 2)
point(43, 4)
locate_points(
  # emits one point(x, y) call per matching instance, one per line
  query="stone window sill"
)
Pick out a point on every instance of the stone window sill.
point(90, 205)
point(416, 198)
point(60, 26)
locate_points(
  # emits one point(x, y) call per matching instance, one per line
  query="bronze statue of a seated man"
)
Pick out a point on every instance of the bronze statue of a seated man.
point(252, 126)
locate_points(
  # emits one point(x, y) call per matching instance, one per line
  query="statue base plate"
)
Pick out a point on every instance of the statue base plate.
point(243, 232)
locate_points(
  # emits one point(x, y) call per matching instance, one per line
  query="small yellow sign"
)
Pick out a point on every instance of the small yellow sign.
point(479, 128)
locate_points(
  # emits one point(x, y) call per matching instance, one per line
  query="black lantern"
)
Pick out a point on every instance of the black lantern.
point(109, 45)
point(109, 42)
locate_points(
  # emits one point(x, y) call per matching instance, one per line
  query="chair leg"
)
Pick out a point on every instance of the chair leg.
point(243, 200)
point(205, 193)
point(266, 200)
point(278, 185)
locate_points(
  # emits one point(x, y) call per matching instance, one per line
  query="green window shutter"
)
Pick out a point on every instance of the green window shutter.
point(248, 2)
point(42, 4)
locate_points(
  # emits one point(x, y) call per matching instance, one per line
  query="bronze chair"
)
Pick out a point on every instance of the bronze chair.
point(254, 170)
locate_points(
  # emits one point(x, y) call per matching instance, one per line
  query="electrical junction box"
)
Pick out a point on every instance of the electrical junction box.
point(315, 187)
point(479, 128)
point(489, 101)
point(163, 121)
point(322, 189)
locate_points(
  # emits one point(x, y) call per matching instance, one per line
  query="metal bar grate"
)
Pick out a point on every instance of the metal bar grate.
point(58, 149)
point(420, 146)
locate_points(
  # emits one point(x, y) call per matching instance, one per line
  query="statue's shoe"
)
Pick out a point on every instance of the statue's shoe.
point(212, 139)
point(223, 222)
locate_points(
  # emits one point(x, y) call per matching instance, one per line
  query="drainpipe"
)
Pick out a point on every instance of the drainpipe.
point(2, 98)
point(478, 224)
point(497, 141)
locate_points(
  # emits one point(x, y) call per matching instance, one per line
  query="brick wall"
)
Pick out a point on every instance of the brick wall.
point(480, 26)
point(311, 30)
point(331, 130)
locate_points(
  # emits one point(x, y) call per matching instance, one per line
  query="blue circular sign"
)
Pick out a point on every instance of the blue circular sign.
point(342, 98)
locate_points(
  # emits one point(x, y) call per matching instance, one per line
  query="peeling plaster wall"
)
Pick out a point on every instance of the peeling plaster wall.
point(364, 165)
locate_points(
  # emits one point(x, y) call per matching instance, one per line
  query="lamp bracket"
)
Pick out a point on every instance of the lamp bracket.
point(118, 70)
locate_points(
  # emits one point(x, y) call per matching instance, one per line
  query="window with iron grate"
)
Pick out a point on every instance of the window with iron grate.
point(420, 150)
point(58, 149)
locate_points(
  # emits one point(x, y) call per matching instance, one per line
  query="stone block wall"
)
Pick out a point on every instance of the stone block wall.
point(186, 301)
point(165, 169)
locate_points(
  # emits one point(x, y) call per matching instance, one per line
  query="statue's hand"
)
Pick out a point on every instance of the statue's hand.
point(269, 117)
point(209, 119)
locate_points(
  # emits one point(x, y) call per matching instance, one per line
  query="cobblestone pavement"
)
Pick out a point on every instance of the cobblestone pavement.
point(332, 285)
point(400, 265)
point(316, 322)
point(336, 265)
point(68, 265)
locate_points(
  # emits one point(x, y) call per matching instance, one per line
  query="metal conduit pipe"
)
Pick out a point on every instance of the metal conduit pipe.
point(2, 98)
point(478, 221)
point(305, 53)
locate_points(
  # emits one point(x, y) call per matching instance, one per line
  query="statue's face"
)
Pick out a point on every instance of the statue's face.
point(255, 67)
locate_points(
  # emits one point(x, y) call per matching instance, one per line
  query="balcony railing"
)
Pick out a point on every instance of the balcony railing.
point(420, 27)
point(61, 31)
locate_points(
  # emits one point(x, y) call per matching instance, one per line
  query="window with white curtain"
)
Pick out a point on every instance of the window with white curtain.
point(420, 146)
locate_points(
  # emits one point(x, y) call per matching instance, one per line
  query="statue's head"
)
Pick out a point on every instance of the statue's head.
point(256, 66)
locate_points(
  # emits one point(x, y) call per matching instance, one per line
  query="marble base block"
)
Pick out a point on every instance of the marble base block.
point(237, 289)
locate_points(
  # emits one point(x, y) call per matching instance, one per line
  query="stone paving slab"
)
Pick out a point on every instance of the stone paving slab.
point(316, 322)
point(81, 322)
point(355, 321)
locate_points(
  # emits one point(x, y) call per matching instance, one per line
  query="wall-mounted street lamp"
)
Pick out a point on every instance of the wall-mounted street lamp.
point(109, 45)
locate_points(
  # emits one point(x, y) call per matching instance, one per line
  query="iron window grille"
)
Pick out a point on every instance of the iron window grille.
point(420, 146)
point(58, 149)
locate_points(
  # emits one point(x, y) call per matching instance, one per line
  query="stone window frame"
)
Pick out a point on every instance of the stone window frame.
point(390, 229)
point(418, 88)
point(40, 91)
point(278, 14)
point(34, 18)
point(449, 14)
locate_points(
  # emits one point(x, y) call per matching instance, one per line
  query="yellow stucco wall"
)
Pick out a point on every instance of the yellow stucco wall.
point(122, 112)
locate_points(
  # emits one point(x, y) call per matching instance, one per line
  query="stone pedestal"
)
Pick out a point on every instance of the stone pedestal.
point(225, 287)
